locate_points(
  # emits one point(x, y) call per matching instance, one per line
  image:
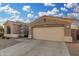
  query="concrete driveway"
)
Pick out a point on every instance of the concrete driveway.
point(36, 48)
point(4, 43)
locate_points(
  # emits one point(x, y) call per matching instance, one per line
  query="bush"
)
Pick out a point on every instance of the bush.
point(25, 35)
point(3, 37)
point(7, 38)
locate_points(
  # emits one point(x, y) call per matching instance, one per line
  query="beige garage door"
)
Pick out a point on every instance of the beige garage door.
point(49, 33)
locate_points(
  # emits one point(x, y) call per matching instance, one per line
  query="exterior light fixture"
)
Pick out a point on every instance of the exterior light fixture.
point(67, 26)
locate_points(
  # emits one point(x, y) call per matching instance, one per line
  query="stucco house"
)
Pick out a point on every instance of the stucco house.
point(15, 29)
point(51, 28)
point(75, 30)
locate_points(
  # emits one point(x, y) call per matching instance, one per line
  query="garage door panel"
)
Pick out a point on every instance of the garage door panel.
point(49, 33)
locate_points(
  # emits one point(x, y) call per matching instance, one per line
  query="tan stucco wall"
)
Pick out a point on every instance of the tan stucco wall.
point(15, 28)
point(51, 20)
point(5, 27)
point(30, 32)
point(68, 39)
point(67, 30)
point(12, 35)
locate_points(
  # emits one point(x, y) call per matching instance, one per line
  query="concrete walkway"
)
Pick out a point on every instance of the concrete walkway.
point(36, 48)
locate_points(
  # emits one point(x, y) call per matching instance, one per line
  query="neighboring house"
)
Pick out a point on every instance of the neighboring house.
point(75, 30)
point(75, 25)
point(15, 29)
point(51, 28)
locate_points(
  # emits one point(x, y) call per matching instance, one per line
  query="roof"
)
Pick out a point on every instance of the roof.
point(67, 20)
point(14, 22)
point(7, 22)
point(58, 17)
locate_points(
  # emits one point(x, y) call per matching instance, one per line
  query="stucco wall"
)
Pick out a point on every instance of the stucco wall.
point(9, 24)
point(12, 35)
point(16, 29)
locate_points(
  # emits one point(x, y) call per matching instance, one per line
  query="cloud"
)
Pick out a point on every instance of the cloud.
point(14, 14)
point(2, 20)
point(63, 9)
point(49, 4)
point(0, 4)
point(26, 8)
point(73, 15)
point(60, 15)
point(28, 21)
point(32, 11)
point(70, 5)
point(35, 17)
point(70, 15)
point(76, 9)
point(12, 18)
point(7, 9)
point(55, 10)
point(52, 12)
point(29, 15)
point(42, 13)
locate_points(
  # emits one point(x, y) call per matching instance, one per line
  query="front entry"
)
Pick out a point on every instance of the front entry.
point(77, 34)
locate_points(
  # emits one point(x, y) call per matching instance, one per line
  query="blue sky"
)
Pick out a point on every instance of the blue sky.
point(27, 12)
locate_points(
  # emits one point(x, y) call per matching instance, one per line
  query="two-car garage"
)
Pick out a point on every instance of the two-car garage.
point(49, 33)
point(51, 28)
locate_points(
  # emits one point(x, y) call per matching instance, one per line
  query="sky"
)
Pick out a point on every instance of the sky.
point(27, 12)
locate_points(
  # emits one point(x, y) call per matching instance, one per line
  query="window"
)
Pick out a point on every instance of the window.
point(8, 30)
point(44, 19)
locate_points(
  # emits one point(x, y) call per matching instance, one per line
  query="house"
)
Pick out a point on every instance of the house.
point(75, 30)
point(15, 29)
point(51, 28)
